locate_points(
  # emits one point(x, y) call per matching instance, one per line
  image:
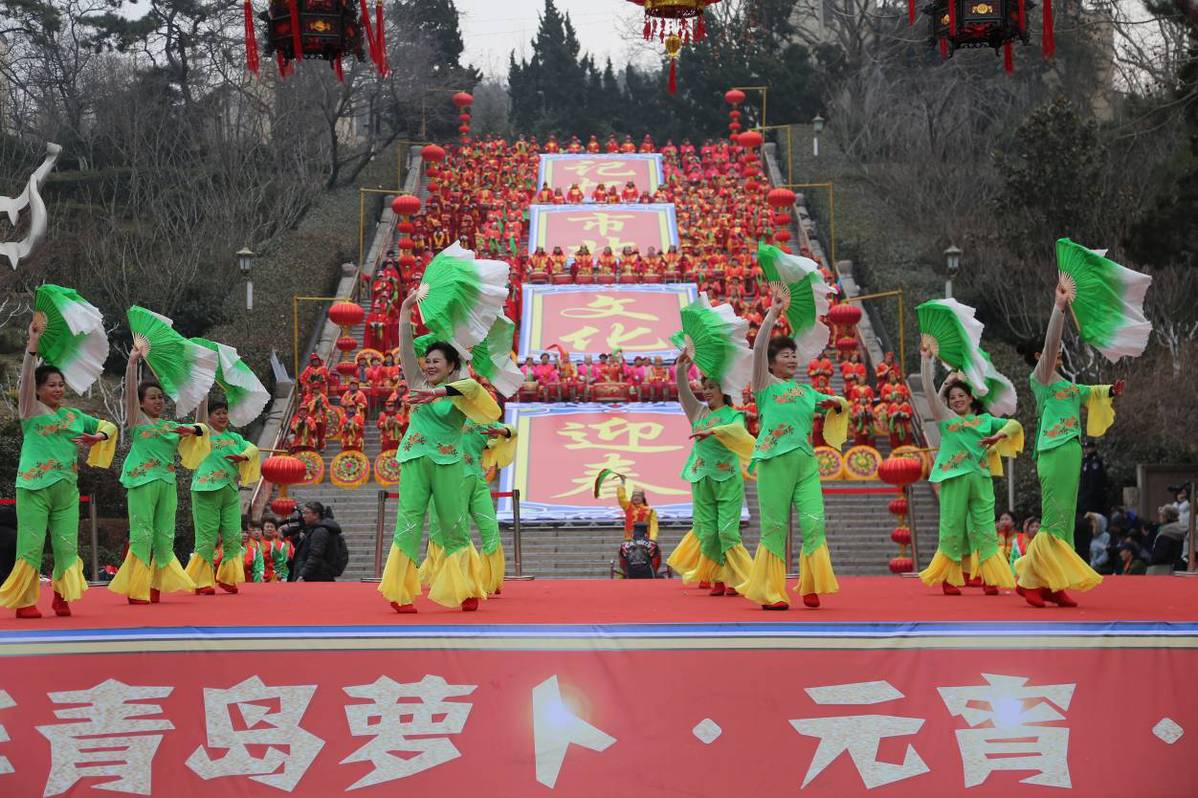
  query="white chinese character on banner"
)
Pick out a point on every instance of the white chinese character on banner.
point(290, 750)
point(1010, 741)
point(111, 738)
point(6, 702)
point(555, 727)
point(860, 735)
point(397, 714)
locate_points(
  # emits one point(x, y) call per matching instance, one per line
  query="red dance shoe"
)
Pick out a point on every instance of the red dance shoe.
point(1033, 596)
point(206, 591)
point(498, 591)
point(28, 612)
point(950, 590)
point(990, 590)
point(718, 589)
point(155, 594)
point(730, 591)
point(1060, 598)
point(704, 585)
point(137, 601)
point(61, 608)
point(227, 588)
point(470, 604)
point(973, 581)
point(778, 605)
point(811, 600)
point(403, 609)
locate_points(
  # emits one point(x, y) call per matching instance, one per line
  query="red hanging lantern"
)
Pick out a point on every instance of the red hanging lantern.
point(347, 343)
point(432, 153)
point(846, 344)
point(898, 506)
point(347, 368)
point(750, 139)
point(405, 205)
point(283, 470)
point(901, 535)
point(844, 314)
point(295, 30)
point(283, 507)
point(778, 197)
point(734, 97)
point(780, 219)
point(406, 243)
point(406, 260)
point(901, 565)
point(463, 99)
point(782, 235)
point(900, 471)
point(346, 314)
point(405, 228)
point(997, 24)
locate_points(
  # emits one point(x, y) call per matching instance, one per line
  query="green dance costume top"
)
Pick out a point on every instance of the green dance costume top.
point(152, 452)
point(478, 447)
point(787, 410)
point(961, 451)
point(47, 453)
point(435, 429)
point(215, 472)
point(712, 456)
point(1059, 407)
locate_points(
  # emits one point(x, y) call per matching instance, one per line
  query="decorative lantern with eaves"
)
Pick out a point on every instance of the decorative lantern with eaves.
point(674, 23)
point(957, 24)
point(330, 30)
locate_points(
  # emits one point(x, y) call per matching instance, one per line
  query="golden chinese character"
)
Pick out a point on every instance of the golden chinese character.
point(606, 306)
point(608, 432)
point(618, 338)
point(586, 482)
point(603, 222)
point(580, 339)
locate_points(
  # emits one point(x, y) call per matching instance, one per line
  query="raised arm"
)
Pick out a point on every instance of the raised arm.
point(132, 406)
point(202, 411)
point(1047, 364)
point(686, 397)
point(939, 410)
point(762, 378)
point(407, 351)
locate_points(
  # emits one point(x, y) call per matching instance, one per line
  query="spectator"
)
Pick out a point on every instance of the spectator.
point(1183, 505)
point(1169, 542)
point(1130, 562)
point(1091, 495)
point(251, 548)
point(322, 555)
point(1100, 541)
point(640, 557)
point(1083, 533)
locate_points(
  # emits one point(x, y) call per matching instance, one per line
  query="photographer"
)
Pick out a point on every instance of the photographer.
point(292, 531)
point(322, 554)
point(640, 557)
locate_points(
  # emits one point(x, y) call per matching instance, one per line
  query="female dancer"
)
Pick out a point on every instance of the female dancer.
point(483, 445)
point(1050, 564)
point(787, 473)
point(150, 567)
point(717, 487)
point(215, 504)
point(432, 469)
point(969, 439)
point(47, 491)
point(636, 510)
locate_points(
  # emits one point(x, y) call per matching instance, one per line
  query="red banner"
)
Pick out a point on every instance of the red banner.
point(588, 171)
point(1093, 722)
point(599, 226)
point(636, 319)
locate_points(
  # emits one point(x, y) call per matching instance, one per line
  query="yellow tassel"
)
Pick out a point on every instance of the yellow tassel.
point(72, 584)
point(21, 588)
point(400, 582)
point(458, 578)
point(815, 573)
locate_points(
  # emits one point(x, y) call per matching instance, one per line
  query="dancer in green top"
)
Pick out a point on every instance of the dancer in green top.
point(47, 492)
point(432, 470)
point(150, 568)
point(787, 472)
point(215, 503)
point(971, 445)
point(483, 445)
point(1051, 565)
point(717, 487)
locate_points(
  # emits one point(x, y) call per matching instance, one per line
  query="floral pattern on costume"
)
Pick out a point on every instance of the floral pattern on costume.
point(62, 425)
point(767, 442)
point(1062, 427)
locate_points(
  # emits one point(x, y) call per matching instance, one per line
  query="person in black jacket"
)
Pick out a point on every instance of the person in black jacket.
point(315, 561)
point(8, 540)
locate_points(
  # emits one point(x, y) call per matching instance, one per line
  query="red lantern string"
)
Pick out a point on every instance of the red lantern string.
point(952, 17)
point(368, 29)
point(943, 47)
point(380, 32)
point(700, 28)
point(281, 60)
point(296, 43)
point(910, 12)
point(1048, 42)
point(337, 70)
point(1008, 59)
point(1022, 12)
point(673, 84)
point(251, 38)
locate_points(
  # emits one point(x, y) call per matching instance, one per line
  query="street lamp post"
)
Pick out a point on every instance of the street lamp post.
point(245, 262)
point(952, 263)
point(817, 125)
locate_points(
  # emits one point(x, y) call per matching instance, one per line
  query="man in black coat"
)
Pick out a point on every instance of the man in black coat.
point(316, 559)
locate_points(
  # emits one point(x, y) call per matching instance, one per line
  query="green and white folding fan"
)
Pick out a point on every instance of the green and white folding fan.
point(955, 336)
point(185, 370)
point(1107, 300)
point(715, 339)
point(461, 296)
point(808, 297)
point(74, 338)
point(244, 392)
point(492, 357)
point(999, 398)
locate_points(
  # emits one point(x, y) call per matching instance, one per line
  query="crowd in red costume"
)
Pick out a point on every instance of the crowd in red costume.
point(480, 196)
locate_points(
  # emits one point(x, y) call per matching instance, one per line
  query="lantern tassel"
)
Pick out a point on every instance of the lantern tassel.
point(251, 38)
point(1008, 59)
point(701, 28)
point(1048, 42)
point(297, 44)
point(672, 86)
point(1022, 17)
point(281, 60)
point(337, 70)
point(368, 31)
point(952, 17)
point(910, 12)
point(943, 47)
point(380, 33)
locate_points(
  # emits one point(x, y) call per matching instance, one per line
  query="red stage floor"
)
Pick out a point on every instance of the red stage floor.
point(879, 599)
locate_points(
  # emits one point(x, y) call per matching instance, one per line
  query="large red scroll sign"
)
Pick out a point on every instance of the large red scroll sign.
point(588, 171)
point(599, 226)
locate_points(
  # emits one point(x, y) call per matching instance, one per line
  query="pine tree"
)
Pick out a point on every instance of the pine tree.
point(549, 90)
